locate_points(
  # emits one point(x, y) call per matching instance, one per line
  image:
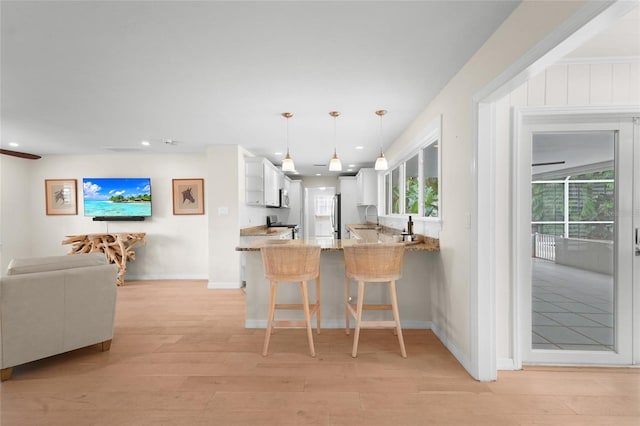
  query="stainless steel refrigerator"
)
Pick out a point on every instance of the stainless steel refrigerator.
point(336, 222)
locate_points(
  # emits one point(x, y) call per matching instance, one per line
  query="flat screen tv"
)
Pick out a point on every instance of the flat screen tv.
point(117, 198)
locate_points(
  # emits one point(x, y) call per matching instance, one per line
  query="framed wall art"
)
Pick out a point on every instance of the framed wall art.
point(61, 196)
point(188, 196)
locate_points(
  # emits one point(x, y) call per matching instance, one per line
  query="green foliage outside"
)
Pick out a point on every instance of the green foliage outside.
point(431, 197)
point(142, 198)
point(547, 202)
point(412, 196)
point(395, 199)
point(588, 202)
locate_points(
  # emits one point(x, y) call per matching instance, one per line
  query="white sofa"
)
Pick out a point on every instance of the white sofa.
point(51, 305)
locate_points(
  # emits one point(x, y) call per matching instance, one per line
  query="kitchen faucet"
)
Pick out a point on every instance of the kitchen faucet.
point(366, 214)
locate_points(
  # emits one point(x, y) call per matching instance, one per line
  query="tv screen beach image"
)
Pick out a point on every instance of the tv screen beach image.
point(117, 196)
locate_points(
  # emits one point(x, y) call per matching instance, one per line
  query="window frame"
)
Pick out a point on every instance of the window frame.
point(433, 136)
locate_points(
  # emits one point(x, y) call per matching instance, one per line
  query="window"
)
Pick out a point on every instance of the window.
point(430, 173)
point(395, 191)
point(413, 186)
point(387, 194)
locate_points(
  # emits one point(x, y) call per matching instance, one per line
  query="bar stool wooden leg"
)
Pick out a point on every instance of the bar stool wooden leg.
point(272, 304)
point(318, 304)
point(356, 334)
point(307, 317)
point(396, 316)
point(347, 312)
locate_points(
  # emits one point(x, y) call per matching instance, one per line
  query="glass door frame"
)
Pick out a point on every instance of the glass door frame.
point(528, 120)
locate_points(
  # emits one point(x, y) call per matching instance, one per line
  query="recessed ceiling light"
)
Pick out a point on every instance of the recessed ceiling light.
point(318, 174)
point(14, 144)
point(352, 165)
point(349, 170)
point(277, 153)
point(145, 143)
point(359, 147)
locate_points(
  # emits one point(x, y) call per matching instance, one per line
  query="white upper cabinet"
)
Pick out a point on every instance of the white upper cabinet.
point(254, 181)
point(286, 184)
point(271, 185)
point(367, 181)
point(262, 182)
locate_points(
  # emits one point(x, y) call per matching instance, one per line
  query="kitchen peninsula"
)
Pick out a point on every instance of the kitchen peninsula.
point(421, 274)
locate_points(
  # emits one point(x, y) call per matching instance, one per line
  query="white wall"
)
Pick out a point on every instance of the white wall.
point(225, 167)
point(565, 84)
point(176, 246)
point(524, 28)
point(15, 189)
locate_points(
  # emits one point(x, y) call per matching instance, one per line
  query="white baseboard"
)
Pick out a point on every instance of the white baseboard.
point(222, 285)
point(505, 364)
point(416, 325)
point(460, 356)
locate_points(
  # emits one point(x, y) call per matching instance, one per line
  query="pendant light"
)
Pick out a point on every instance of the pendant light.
point(287, 163)
point(381, 162)
point(335, 165)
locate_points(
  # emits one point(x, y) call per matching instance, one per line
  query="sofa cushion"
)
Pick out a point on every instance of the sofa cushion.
point(55, 263)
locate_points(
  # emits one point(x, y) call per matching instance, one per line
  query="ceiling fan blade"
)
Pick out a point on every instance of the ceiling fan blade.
point(550, 163)
point(19, 154)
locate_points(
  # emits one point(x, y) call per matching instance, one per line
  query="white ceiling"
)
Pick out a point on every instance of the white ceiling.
point(96, 77)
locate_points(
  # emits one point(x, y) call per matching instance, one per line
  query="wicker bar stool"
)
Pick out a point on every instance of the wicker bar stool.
point(299, 263)
point(373, 263)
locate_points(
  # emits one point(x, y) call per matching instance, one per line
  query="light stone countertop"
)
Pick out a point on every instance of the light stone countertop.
point(366, 233)
point(263, 230)
point(429, 244)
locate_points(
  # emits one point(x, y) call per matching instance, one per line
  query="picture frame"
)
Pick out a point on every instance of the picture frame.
point(188, 196)
point(61, 196)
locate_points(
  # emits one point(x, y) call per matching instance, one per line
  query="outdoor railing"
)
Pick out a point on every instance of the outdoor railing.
point(544, 246)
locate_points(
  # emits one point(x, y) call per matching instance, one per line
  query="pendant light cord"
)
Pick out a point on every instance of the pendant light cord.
point(380, 132)
point(335, 134)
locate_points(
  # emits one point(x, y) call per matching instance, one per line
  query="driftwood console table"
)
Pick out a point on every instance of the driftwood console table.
point(117, 247)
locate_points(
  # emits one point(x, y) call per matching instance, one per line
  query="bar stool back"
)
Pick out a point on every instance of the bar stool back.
point(373, 263)
point(298, 263)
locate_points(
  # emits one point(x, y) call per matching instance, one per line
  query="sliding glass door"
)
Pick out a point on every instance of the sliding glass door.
point(575, 230)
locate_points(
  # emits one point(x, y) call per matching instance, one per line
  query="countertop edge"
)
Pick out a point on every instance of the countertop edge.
point(431, 245)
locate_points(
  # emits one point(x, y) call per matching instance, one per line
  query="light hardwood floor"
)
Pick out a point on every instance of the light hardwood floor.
point(181, 356)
